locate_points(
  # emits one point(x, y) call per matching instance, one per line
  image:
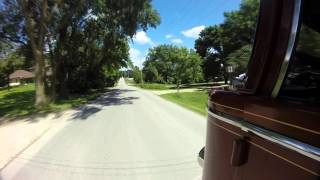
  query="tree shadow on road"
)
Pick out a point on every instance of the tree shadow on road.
point(113, 97)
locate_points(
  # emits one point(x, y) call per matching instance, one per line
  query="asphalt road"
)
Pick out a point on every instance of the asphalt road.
point(126, 134)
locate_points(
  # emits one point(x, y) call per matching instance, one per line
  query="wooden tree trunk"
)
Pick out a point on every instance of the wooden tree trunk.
point(51, 90)
point(37, 41)
point(8, 81)
point(178, 86)
point(62, 79)
point(41, 98)
point(225, 77)
point(53, 79)
point(60, 71)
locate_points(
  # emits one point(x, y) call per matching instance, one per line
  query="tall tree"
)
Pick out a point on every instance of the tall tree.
point(85, 42)
point(36, 18)
point(99, 38)
point(211, 47)
point(23, 22)
point(219, 45)
point(239, 26)
point(137, 74)
point(195, 64)
point(172, 64)
point(151, 73)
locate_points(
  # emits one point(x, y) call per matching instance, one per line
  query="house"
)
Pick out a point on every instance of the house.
point(21, 77)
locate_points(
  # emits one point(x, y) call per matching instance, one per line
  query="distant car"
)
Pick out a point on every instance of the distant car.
point(239, 81)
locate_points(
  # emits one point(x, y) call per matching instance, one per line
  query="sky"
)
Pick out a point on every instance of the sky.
point(181, 22)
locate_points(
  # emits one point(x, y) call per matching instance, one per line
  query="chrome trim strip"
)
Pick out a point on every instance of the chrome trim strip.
point(291, 43)
point(298, 146)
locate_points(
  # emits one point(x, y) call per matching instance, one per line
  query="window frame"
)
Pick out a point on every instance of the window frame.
point(274, 29)
point(295, 29)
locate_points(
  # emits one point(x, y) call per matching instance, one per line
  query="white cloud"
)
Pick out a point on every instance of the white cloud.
point(136, 56)
point(169, 36)
point(193, 32)
point(177, 41)
point(142, 38)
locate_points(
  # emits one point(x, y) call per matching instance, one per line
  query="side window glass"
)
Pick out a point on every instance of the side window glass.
point(303, 78)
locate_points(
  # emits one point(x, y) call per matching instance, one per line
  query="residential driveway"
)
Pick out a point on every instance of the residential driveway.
point(126, 134)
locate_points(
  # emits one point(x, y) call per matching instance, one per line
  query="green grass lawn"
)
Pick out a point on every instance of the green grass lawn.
point(160, 86)
point(150, 86)
point(19, 101)
point(154, 86)
point(195, 101)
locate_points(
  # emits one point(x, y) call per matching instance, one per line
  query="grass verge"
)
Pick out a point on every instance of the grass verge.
point(19, 101)
point(150, 86)
point(154, 86)
point(195, 101)
point(160, 86)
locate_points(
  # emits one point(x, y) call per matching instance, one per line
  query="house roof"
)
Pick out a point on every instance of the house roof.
point(22, 74)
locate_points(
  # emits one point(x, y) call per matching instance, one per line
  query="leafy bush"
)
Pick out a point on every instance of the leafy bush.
point(172, 64)
point(137, 76)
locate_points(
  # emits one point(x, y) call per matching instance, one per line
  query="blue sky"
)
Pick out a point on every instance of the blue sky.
point(181, 21)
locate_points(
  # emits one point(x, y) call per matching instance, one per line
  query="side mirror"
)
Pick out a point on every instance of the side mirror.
point(201, 157)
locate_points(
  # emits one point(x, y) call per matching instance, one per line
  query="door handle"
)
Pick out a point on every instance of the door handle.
point(239, 154)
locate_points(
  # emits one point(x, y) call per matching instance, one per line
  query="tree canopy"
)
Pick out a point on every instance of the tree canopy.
point(84, 43)
point(229, 43)
point(172, 64)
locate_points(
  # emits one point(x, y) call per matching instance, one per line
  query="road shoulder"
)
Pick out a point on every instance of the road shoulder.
point(17, 136)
